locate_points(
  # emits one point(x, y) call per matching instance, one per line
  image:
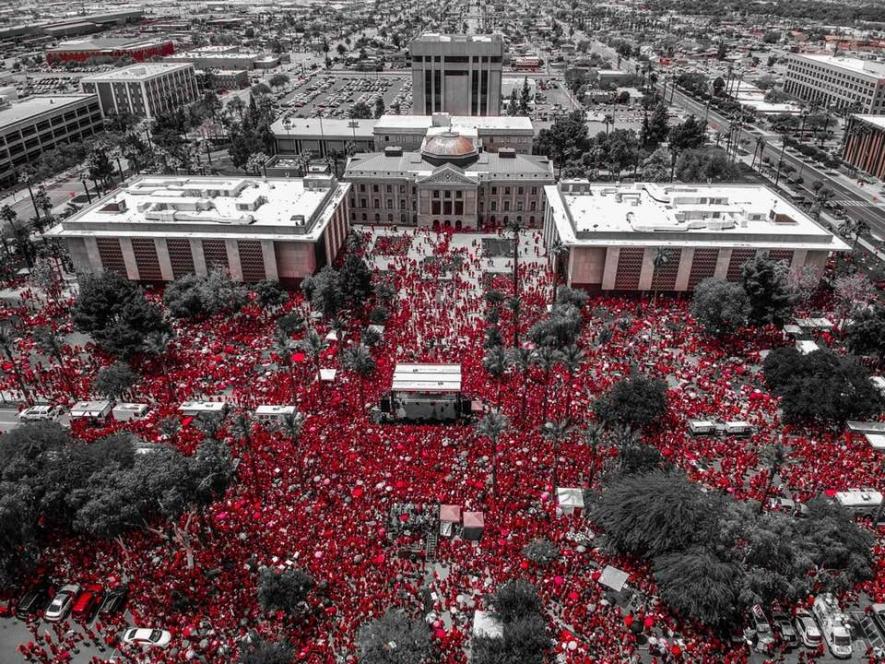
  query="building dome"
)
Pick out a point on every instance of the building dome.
point(449, 147)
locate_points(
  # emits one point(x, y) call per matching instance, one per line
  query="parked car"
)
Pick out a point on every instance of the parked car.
point(61, 604)
point(784, 630)
point(145, 637)
point(33, 601)
point(807, 629)
point(115, 601)
point(7, 607)
point(87, 603)
point(762, 628)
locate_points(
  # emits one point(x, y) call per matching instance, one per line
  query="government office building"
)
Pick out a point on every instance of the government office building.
point(449, 183)
point(144, 90)
point(837, 82)
point(663, 237)
point(36, 125)
point(159, 228)
point(456, 74)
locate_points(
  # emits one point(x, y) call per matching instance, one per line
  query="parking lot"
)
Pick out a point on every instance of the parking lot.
point(332, 96)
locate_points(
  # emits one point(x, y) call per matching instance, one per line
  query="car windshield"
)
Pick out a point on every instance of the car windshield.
point(841, 640)
point(763, 627)
point(155, 635)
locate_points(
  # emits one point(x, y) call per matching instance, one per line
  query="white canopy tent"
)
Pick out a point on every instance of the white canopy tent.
point(202, 407)
point(487, 625)
point(569, 499)
point(613, 578)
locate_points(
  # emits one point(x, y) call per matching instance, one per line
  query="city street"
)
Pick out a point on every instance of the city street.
point(858, 201)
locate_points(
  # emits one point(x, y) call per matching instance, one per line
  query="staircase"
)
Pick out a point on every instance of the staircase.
point(430, 544)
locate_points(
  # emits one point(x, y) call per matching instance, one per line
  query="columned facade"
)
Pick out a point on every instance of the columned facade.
point(865, 144)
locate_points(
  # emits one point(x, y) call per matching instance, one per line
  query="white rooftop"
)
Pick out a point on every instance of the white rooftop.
point(875, 120)
point(222, 207)
point(854, 65)
point(32, 106)
point(406, 122)
point(681, 215)
point(427, 378)
point(137, 72)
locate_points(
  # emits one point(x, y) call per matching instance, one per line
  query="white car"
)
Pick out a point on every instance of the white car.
point(808, 630)
point(61, 604)
point(41, 413)
point(145, 637)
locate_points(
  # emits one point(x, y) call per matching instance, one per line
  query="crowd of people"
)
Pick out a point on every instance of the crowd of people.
point(321, 501)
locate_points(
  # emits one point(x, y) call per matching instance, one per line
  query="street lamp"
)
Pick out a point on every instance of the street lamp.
point(83, 179)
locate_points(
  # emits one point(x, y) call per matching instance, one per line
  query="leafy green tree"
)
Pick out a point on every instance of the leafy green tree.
point(267, 652)
point(325, 291)
point(658, 127)
point(767, 287)
point(699, 585)
point(360, 111)
point(866, 333)
point(355, 279)
point(193, 296)
point(720, 306)
point(270, 293)
point(820, 387)
point(358, 360)
point(636, 402)
point(541, 551)
point(689, 135)
point(515, 599)
point(525, 96)
point(115, 312)
point(394, 639)
point(565, 140)
point(706, 164)
point(114, 381)
point(283, 591)
point(655, 513)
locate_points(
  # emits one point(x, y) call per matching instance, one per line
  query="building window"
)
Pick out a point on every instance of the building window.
point(447, 194)
point(436, 193)
point(374, 188)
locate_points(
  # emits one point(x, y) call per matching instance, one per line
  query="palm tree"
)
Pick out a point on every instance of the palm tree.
point(593, 439)
point(495, 363)
point(282, 346)
point(520, 359)
point(775, 456)
point(155, 344)
point(662, 257)
point(49, 342)
point(240, 427)
point(545, 358)
point(515, 227)
point(290, 426)
point(515, 306)
point(7, 341)
point(556, 249)
point(314, 345)
point(492, 426)
point(358, 360)
point(556, 432)
point(9, 216)
point(571, 358)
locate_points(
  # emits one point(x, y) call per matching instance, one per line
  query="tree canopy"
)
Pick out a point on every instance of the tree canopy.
point(821, 386)
point(115, 312)
point(636, 402)
point(411, 638)
point(720, 306)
